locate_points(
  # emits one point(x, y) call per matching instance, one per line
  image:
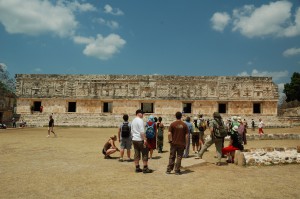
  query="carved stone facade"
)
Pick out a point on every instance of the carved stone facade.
point(166, 94)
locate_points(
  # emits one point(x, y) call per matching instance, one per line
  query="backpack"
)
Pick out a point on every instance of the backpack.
point(202, 125)
point(125, 130)
point(219, 130)
point(150, 131)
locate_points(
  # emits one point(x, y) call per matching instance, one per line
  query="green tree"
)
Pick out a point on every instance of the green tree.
point(292, 90)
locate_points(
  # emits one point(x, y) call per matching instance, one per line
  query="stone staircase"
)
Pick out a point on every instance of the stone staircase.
point(38, 119)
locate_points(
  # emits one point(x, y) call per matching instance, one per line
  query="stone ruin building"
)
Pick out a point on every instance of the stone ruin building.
point(101, 100)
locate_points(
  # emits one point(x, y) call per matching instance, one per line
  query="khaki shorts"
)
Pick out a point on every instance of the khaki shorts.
point(139, 149)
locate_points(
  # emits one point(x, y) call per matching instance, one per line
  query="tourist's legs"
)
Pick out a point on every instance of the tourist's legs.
point(206, 145)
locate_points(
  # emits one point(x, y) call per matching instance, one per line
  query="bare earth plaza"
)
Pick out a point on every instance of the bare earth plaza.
point(87, 110)
point(111, 99)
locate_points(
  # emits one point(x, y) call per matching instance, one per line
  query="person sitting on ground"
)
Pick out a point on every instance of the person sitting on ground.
point(234, 144)
point(110, 147)
point(125, 138)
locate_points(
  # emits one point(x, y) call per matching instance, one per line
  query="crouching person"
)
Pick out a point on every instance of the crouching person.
point(235, 143)
point(110, 147)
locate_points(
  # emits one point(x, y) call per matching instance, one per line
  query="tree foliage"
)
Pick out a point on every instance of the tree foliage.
point(7, 83)
point(292, 90)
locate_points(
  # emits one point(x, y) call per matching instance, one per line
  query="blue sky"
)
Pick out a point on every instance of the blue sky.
point(170, 37)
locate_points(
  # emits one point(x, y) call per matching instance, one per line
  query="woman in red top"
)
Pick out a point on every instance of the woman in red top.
point(151, 142)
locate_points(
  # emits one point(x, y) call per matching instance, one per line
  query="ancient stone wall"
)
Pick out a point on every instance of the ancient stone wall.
point(154, 87)
point(167, 93)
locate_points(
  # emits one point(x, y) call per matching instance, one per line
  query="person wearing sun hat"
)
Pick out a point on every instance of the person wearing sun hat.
point(151, 142)
point(213, 139)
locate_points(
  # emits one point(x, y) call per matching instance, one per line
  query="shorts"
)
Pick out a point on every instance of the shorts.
point(126, 143)
point(50, 128)
point(139, 149)
point(195, 140)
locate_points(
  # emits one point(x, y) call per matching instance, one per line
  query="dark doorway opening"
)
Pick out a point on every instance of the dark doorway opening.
point(37, 105)
point(107, 107)
point(222, 108)
point(1, 117)
point(256, 108)
point(147, 107)
point(72, 107)
point(187, 108)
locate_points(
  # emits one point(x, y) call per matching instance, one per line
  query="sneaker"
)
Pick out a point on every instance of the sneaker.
point(218, 163)
point(147, 170)
point(138, 170)
point(47, 136)
point(129, 160)
point(121, 160)
point(168, 172)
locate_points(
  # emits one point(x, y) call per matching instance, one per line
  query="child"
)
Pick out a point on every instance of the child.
point(110, 147)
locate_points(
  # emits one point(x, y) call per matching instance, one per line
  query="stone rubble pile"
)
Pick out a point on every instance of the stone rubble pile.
point(279, 136)
point(268, 156)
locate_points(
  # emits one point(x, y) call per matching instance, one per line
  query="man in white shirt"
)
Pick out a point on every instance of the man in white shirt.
point(139, 141)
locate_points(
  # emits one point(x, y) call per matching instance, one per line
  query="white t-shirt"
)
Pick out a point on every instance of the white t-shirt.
point(261, 124)
point(137, 128)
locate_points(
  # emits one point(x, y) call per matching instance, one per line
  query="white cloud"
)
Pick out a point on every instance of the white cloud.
point(294, 29)
point(75, 5)
point(114, 11)
point(219, 21)
point(111, 24)
point(276, 75)
point(34, 17)
point(265, 20)
point(273, 19)
point(3, 67)
point(101, 47)
point(291, 52)
point(37, 70)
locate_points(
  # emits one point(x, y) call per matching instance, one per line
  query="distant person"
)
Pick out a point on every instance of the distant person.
point(139, 141)
point(22, 123)
point(151, 134)
point(14, 122)
point(234, 144)
point(160, 135)
point(260, 127)
point(178, 136)
point(216, 125)
point(241, 128)
point(245, 132)
point(51, 126)
point(253, 125)
point(110, 147)
point(191, 130)
point(195, 136)
point(125, 138)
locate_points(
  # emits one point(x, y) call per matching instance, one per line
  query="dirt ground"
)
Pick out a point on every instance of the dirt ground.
point(72, 166)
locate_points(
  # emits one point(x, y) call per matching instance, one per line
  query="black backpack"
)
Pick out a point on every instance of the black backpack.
point(125, 130)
